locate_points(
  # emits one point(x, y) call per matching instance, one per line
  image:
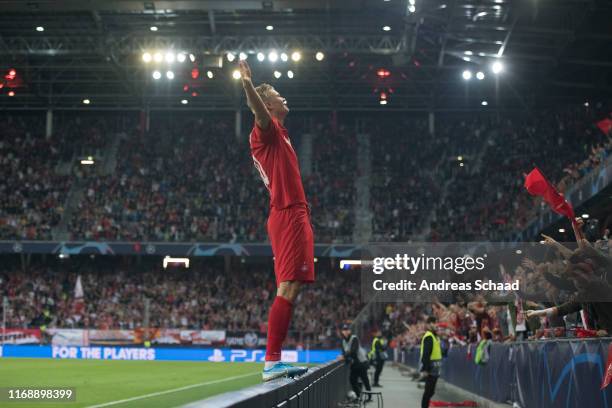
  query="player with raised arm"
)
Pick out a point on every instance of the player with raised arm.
point(289, 227)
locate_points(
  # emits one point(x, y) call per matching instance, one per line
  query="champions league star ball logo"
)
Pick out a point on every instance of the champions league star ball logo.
point(250, 339)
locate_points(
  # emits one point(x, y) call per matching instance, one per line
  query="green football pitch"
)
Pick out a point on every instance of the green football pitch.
point(122, 384)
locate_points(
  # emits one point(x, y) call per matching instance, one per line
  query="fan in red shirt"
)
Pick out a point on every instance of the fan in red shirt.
point(289, 226)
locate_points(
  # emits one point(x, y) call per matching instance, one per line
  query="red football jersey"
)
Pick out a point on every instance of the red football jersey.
point(277, 164)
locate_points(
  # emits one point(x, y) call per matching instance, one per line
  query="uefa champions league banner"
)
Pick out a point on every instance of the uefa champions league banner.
point(184, 249)
point(216, 355)
point(562, 374)
point(538, 374)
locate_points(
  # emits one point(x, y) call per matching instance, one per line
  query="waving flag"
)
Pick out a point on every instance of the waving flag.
point(536, 184)
point(605, 125)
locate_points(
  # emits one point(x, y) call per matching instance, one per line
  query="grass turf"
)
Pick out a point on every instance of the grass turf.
point(103, 381)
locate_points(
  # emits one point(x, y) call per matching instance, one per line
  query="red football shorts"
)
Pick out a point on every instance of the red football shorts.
point(292, 242)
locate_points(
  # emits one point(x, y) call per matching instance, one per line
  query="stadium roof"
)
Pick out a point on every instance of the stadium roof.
point(68, 51)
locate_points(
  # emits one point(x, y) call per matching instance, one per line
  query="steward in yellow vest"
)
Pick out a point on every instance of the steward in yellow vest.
point(378, 355)
point(431, 359)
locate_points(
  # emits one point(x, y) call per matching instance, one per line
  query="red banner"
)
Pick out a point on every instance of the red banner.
point(20, 336)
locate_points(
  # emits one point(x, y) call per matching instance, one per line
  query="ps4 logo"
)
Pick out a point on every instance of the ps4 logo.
point(248, 356)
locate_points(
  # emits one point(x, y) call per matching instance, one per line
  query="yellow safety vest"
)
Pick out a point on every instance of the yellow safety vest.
point(436, 352)
point(372, 352)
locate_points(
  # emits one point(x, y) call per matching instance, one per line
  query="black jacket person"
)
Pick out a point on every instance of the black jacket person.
point(355, 355)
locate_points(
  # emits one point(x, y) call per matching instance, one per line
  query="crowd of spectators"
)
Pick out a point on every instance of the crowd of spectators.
point(32, 195)
point(330, 188)
point(566, 293)
point(189, 179)
point(205, 297)
point(410, 169)
point(487, 201)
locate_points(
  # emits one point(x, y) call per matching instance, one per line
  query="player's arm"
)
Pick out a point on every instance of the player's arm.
point(257, 105)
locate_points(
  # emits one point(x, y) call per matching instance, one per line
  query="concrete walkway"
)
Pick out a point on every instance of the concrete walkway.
point(399, 391)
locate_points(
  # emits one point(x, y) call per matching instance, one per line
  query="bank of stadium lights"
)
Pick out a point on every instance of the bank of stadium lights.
point(230, 57)
point(467, 75)
point(319, 56)
point(242, 56)
point(169, 74)
point(153, 28)
point(412, 6)
point(284, 57)
point(210, 74)
point(290, 74)
point(260, 56)
point(484, 103)
point(184, 101)
point(169, 57)
point(236, 74)
point(480, 75)
point(273, 56)
point(156, 75)
point(497, 67)
point(386, 28)
point(40, 29)
point(86, 101)
point(277, 74)
point(269, 27)
point(296, 56)
point(468, 52)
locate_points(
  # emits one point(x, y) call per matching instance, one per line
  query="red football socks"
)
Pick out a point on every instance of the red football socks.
point(278, 326)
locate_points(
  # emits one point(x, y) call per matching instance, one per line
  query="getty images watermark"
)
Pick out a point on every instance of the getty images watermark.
point(422, 263)
point(448, 272)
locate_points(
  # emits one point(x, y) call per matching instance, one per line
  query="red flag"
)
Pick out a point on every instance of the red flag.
point(605, 125)
point(537, 184)
point(608, 375)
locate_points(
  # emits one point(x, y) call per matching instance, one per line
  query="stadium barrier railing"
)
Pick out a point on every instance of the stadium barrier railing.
point(533, 374)
point(321, 387)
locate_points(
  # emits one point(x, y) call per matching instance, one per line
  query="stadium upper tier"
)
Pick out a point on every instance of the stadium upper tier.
point(189, 178)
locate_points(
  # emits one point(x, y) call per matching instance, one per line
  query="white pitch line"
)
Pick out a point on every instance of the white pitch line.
point(155, 394)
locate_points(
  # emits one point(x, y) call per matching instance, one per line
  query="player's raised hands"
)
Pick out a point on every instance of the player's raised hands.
point(245, 70)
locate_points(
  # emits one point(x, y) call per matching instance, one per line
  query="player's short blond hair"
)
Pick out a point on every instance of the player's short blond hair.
point(264, 91)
